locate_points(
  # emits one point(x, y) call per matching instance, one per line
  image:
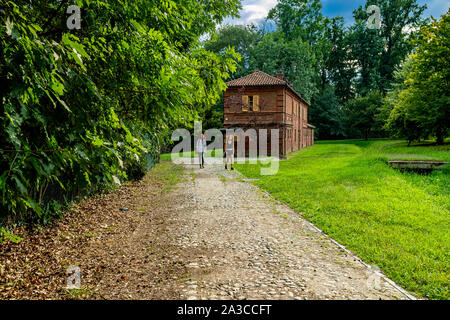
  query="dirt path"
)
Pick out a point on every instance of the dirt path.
point(211, 236)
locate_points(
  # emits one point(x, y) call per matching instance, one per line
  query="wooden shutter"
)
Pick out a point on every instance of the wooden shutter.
point(255, 103)
point(244, 103)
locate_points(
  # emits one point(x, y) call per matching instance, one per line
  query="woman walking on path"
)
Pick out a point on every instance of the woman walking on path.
point(201, 149)
point(229, 149)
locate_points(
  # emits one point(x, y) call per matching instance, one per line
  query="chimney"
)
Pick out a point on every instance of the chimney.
point(280, 75)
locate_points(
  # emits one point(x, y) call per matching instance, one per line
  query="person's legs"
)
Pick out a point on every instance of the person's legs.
point(200, 155)
point(232, 161)
point(203, 159)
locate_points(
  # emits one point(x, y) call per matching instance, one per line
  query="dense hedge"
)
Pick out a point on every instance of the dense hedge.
point(82, 110)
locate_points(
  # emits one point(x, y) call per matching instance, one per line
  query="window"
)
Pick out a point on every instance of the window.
point(250, 103)
point(244, 103)
point(255, 106)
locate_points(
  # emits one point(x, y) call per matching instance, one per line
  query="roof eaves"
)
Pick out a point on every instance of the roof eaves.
point(276, 82)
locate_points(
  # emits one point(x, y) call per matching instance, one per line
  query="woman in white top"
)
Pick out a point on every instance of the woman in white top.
point(229, 149)
point(201, 149)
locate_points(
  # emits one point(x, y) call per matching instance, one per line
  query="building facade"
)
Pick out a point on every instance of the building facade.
point(261, 101)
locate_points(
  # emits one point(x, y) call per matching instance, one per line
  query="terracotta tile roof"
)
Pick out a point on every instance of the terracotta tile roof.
point(259, 78)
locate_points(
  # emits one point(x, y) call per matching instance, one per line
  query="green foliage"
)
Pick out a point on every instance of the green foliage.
point(419, 104)
point(213, 117)
point(299, 19)
point(361, 115)
point(5, 236)
point(329, 64)
point(366, 46)
point(338, 59)
point(273, 53)
point(327, 115)
point(81, 110)
point(379, 52)
point(396, 221)
point(394, 113)
point(241, 38)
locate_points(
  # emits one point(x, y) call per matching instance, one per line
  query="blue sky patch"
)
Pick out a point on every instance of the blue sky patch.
point(256, 10)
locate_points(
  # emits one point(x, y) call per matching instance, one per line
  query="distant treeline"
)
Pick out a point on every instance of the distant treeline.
point(361, 82)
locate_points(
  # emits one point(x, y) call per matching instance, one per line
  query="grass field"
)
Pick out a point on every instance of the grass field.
point(398, 221)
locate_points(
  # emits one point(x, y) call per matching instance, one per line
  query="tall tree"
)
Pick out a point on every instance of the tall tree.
point(361, 115)
point(326, 114)
point(400, 21)
point(296, 59)
point(339, 65)
point(379, 52)
point(422, 105)
point(299, 19)
point(330, 80)
point(366, 46)
point(241, 38)
point(394, 114)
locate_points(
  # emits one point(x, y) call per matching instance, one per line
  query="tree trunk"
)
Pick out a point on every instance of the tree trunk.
point(439, 136)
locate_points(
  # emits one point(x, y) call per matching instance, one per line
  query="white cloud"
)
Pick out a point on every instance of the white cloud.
point(253, 11)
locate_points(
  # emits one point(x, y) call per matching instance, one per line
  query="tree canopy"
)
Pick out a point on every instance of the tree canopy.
point(345, 72)
point(419, 104)
point(83, 109)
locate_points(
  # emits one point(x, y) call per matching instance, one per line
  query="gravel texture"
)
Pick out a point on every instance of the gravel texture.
point(248, 246)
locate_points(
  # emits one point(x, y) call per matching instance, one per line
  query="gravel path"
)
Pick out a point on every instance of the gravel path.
point(238, 243)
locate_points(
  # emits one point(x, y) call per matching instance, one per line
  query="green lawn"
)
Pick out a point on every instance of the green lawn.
point(398, 221)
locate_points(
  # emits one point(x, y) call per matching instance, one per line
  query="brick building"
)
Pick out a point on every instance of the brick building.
point(261, 101)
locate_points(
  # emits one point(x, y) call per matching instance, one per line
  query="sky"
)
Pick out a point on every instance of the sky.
point(254, 11)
